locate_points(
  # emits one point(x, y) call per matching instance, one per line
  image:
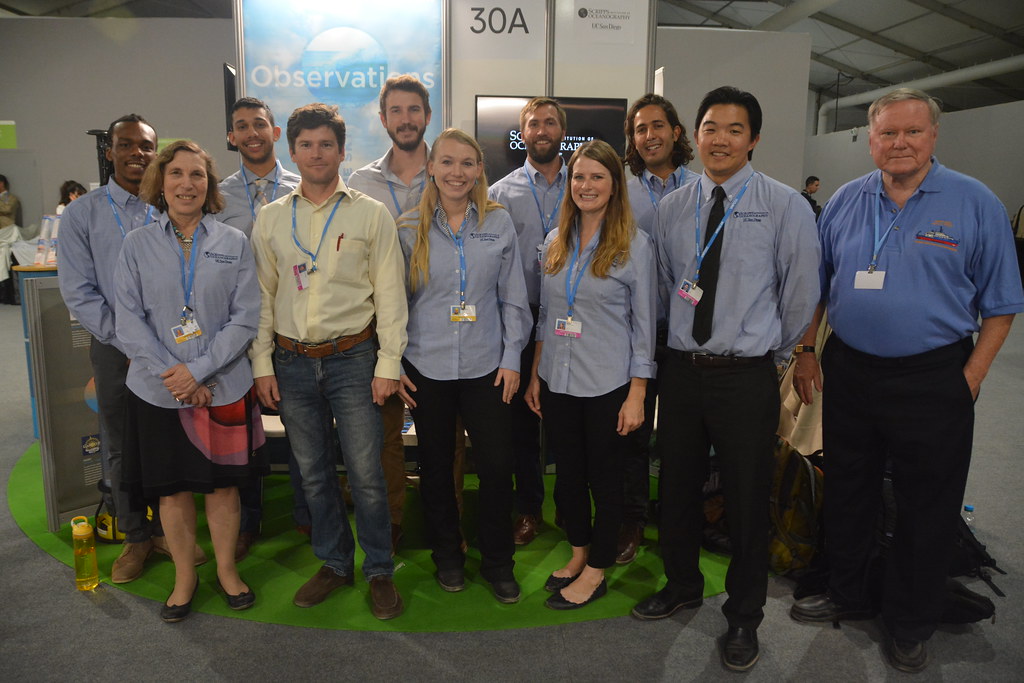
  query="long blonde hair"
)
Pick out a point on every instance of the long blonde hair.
point(419, 264)
point(619, 227)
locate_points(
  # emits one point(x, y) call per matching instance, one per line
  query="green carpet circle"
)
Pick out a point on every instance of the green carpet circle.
point(282, 560)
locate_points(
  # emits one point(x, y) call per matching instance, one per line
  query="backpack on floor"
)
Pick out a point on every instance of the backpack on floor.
point(970, 558)
point(795, 507)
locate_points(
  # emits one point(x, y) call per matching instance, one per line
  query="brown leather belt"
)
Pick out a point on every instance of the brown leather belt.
point(324, 348)
point(711, 361)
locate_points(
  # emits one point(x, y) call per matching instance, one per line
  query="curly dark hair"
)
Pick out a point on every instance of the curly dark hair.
point(682, 152)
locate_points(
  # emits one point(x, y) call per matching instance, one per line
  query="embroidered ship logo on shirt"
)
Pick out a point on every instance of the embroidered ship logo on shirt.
point(937, 237)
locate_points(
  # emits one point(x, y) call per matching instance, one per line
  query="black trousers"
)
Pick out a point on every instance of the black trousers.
point(590, 456)
point(488, 422)
point(529, 469)
point(636, 467)
point(918, 412)
point(735, 409)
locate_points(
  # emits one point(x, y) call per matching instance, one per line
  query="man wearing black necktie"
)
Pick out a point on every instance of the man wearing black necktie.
point(734, 308)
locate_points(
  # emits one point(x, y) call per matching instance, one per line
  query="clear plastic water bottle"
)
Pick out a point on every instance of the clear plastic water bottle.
point(969, 516)
point(87, 575)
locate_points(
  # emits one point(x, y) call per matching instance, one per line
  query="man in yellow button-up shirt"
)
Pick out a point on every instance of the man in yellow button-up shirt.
point(330, 344)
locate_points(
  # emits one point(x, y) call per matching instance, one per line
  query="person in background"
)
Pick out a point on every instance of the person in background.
point(657, 152)
point(187, 309)
point(462, 257)
point(914, 254)
point(260, 179)
point(70, 190)
point(533, 196)
point(811, 185)
point(10, 205)
point(595, 354)
point(720, 388)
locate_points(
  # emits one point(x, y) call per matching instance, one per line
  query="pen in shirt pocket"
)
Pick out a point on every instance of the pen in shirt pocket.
point(340, 238)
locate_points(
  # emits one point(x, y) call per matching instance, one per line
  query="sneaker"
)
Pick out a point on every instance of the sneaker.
point(129, 564)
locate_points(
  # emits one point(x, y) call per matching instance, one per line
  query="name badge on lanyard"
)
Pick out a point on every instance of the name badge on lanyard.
point(568, 328)
point(872, 278)
point(690, 292)
point(301, 274)
point(189, 329)
point(463, 314)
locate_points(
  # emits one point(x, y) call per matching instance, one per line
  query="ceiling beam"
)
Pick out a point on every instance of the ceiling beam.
point(708, 14)
point(972, 21)
point(86, 8)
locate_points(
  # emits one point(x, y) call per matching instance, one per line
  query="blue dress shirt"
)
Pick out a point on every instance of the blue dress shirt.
point(948, 259)
point(225, 299)
point(238, 207)
point(647, 190)
point(514, 193)
point(446, 350)
point(376, 180)
point(768, 282)
point(90, 242)
point(617, 314)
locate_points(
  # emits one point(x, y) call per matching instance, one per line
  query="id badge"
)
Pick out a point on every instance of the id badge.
point(463, 315)
point(568, 328)
point(690, 292)
point(301, 276)
point(187, 330)
point(866, 279)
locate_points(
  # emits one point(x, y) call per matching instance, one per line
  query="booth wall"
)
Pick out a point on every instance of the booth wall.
point(62, 77)
point(985, 143)
point(773, 66)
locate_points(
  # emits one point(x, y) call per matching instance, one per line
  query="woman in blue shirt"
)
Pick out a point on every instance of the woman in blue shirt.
point(595, 350)
point(468, 322)
point(187, 307)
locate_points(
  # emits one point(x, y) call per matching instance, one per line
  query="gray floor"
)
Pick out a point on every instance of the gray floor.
point(49, 631)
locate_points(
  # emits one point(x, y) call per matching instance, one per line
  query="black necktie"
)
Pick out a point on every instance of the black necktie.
point(705, 312)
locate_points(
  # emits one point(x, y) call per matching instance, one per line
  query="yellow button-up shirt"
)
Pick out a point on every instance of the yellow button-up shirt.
point(359, 277)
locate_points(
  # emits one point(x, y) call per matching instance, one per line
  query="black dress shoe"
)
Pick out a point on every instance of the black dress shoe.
point(822, 608)
point(739, 648)
point(506, 591)
point(175, 613)
point(664, 604)
point(557, 583)
point(556, 601)
point(907, 655)
point(451, 580)
point(240, 601)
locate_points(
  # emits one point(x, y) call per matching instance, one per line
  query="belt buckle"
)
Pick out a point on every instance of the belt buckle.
point(697, 357)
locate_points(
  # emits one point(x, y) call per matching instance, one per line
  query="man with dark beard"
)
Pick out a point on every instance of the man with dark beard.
point(533, 195)
point(397, 180)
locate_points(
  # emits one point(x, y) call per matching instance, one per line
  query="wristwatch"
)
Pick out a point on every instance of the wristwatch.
point(803, 348)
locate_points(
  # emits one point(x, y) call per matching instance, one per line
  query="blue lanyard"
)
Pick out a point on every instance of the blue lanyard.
point(646, 182)
point(394, 197)
point(295, 236)
point(701, 253)
point(547, 223)
point(113, 209)
point(248, 195)
point(880, 241)
point(186, 284)
point(459, 239)
point(571, 286)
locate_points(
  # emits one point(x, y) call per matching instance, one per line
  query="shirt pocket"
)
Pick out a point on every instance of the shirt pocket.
point(349, 263)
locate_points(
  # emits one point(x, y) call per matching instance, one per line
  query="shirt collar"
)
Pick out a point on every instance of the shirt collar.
point(731, 186)
point(251, 178)
point(164, 220)
point(675, 178)
point(536, 175)
point(932, 181)
point(341, 188)
point(120, 195)
point(442, 216)
point(384, 166)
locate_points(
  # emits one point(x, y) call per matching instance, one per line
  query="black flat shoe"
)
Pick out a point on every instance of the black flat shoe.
point(174, 613)
point(556, 601)
point(739, 649)
point(557, 583)
point(243, 600)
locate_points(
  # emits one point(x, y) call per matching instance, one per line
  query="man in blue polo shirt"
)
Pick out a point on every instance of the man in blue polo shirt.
point(735, 305)
point(532, 194)
point(912, 255)
point(657, 151)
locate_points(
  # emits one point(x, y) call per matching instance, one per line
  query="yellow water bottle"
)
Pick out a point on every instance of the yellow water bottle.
point(87, 575)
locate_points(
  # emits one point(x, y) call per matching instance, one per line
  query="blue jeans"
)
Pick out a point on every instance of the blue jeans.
point(313, 390)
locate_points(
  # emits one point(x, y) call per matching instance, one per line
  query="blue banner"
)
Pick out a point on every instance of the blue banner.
point(341, 53)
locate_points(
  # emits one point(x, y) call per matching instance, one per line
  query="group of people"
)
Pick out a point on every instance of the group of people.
point(566, 292)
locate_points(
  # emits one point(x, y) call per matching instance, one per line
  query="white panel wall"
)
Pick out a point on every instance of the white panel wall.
point(772, 66)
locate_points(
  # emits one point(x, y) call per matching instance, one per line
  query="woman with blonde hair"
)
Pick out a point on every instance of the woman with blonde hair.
point(468, 322)
point(595, 350)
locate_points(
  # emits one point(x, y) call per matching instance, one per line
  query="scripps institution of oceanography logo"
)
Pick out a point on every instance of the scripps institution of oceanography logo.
point(583, 13)
point(339, 66)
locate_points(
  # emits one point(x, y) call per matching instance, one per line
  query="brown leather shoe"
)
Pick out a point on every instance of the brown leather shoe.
point(242, 545)
point(385, 602)
point(396, 536)
point(525, 529)
point(160, 546)
point(316, 590)
point(128, 565)
point(630, 536)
